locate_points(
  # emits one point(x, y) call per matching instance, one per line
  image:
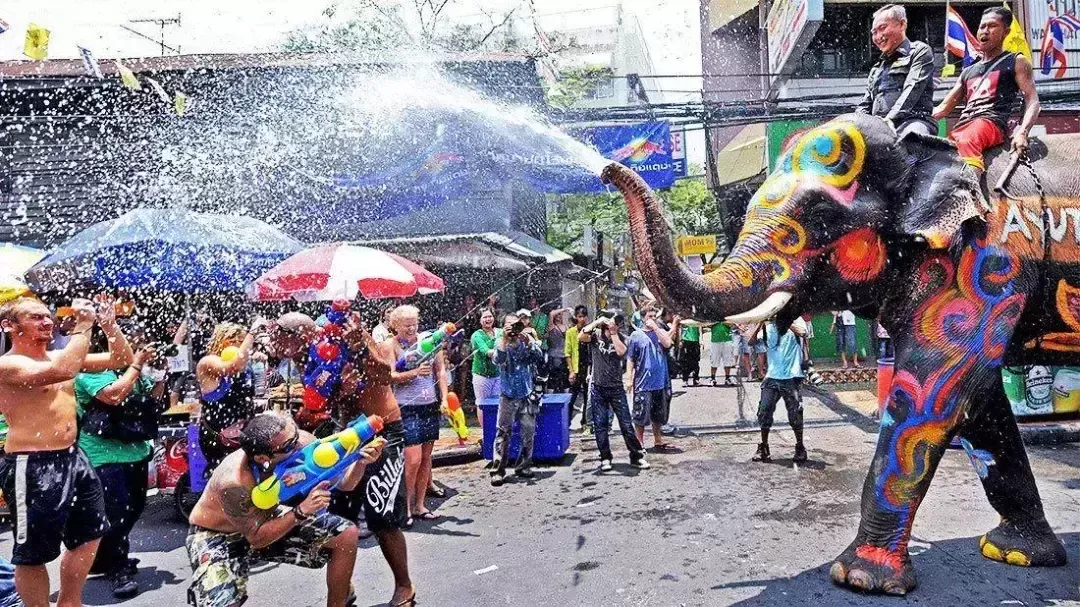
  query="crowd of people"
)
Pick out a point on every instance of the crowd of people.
point(82, 392)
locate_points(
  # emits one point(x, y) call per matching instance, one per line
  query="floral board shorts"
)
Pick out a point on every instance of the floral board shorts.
point(221, 562)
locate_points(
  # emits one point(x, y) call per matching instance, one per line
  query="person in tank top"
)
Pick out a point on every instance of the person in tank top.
point(990, 88)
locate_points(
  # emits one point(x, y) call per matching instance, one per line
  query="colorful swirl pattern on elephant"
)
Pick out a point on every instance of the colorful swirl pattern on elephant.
point(902, 230)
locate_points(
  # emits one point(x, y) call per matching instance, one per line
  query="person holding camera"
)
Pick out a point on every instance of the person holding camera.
point(117, 426)
point(516, 351)
point(607, 345)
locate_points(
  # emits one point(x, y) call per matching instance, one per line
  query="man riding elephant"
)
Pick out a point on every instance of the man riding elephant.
point(855, 218)
point(991, 86)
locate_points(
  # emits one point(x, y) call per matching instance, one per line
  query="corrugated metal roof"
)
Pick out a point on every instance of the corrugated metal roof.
point(516, 243)
point(224, 61)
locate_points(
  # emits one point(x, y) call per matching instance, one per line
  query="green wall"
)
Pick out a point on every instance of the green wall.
point(823, 345)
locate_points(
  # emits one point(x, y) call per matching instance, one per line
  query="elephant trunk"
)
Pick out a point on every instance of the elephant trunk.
point(728, 293)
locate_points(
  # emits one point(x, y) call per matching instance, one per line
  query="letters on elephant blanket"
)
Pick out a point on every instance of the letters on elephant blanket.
point(1026, 221)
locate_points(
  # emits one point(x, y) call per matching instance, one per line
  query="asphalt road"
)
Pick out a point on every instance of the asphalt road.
point(702, 527)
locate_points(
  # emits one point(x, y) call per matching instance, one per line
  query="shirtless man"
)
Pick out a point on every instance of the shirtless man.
point(381, 494)
point(228, 533)
point(54, 493)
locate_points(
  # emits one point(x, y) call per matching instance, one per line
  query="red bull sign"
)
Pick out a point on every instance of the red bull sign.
point(646, 148)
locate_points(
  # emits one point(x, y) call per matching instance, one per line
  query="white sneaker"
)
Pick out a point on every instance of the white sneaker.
point(641, 464)
point(605, 465)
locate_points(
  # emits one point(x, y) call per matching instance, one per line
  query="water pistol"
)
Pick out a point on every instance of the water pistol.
point(427, 346)
point(327, 358)
point(457, 417)
point(325, 459)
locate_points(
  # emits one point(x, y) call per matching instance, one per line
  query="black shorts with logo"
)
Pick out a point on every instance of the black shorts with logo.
point(55, 497)
point(381, 493)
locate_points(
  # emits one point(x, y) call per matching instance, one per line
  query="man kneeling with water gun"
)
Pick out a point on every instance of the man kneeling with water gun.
point(234, 526)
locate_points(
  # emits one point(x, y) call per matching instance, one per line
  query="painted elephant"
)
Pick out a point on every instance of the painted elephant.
point(853, 218)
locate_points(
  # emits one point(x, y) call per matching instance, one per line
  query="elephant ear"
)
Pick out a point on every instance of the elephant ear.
point(943, 191)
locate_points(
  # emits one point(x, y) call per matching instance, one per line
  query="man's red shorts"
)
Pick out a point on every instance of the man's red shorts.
point(973, 138)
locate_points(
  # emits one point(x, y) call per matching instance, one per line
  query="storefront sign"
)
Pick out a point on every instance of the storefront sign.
point(791, 25)
point(695, 245)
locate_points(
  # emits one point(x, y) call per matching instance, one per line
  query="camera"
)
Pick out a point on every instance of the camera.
point(165, 350)
point(515, 329)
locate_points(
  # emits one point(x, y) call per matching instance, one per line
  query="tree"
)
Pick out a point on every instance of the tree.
point(689, 208)
point(374, 25)
point(573, 84)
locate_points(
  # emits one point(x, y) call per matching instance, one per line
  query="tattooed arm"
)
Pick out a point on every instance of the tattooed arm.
point(260, 527)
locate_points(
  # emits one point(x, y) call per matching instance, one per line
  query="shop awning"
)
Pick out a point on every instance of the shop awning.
point(743, 157)
point(512, 250)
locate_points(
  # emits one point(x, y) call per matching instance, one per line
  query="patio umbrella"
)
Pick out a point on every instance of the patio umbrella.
point(14, 262)
point(341, 271)
point(165, 249)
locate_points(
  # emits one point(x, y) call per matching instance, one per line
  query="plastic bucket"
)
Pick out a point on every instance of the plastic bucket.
point(884, 381)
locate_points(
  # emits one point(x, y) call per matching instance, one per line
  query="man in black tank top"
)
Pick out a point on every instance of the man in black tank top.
point(991, 87)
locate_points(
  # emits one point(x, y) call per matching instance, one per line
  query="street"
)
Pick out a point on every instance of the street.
point(702, 527)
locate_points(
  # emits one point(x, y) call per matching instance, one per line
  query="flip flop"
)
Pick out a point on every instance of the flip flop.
point(436, 491)
point(427, 516)
point(665, 448)
point(409, 602)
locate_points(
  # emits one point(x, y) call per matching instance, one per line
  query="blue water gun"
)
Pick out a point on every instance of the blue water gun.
point(325, 459)
point(427, 346)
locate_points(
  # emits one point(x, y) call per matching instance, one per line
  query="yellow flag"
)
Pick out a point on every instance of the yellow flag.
point(37, 42)
point(1015, 42)
point(949, 70)
point(128, 77)
point(181, 103)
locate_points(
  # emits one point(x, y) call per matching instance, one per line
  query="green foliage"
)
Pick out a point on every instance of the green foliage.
point(688, 206)
point(375, 25)
point(364, 28)
point(573, 84)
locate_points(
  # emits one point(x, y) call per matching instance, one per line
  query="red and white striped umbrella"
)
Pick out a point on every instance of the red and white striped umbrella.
point(341, 271)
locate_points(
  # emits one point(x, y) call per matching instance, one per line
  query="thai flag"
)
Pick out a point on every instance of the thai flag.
point(958, 39)
point(1053, 46)
point(4, 26)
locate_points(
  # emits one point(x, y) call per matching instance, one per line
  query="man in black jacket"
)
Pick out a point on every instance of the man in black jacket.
point(900, 88)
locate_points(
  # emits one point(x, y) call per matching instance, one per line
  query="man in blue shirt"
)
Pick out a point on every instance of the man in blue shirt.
point(515, 353)
point(647, 351)
point(782, 380)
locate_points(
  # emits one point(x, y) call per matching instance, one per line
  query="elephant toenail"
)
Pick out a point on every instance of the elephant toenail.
point(992, 552)
point(894, 587)
point(838, 572)
point(861, 579)
point(1015, 557)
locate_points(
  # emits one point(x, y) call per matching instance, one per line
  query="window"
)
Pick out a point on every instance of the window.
point(842, 47)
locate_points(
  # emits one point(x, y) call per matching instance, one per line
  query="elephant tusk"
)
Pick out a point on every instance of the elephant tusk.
point(765, 310)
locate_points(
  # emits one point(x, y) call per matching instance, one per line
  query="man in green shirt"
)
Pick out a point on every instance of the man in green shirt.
point(121, 465)
point(690, 354)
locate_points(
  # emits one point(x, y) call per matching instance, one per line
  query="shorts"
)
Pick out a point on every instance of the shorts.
point(722, 354)
point(381, 493)
point(845, 339)
point(772, 390)
point(421, 423)
point(651, 407)
point(973, 138)
point(55, 496)
point(760, 347)
point(221, 562)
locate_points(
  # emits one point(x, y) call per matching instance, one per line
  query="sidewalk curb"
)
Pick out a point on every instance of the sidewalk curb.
point(1044, 433)
point(456, 456)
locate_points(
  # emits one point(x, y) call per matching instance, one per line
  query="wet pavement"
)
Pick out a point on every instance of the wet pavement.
point(702, 527)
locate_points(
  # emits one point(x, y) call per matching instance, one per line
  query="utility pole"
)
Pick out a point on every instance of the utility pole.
point(763, 42)
point(161, 23)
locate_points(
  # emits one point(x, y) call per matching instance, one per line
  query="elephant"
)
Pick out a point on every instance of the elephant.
point(903, 230)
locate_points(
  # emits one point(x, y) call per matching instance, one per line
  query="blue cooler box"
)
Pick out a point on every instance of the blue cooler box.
point(552, 429)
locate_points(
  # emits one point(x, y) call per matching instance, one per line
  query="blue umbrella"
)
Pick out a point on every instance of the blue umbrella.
point(165, 249)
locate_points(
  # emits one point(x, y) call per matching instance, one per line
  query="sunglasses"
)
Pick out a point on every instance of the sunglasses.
point(290, 445)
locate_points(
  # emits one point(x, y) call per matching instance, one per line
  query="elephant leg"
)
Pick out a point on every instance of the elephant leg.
point(993, 443)
point(910, 445)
